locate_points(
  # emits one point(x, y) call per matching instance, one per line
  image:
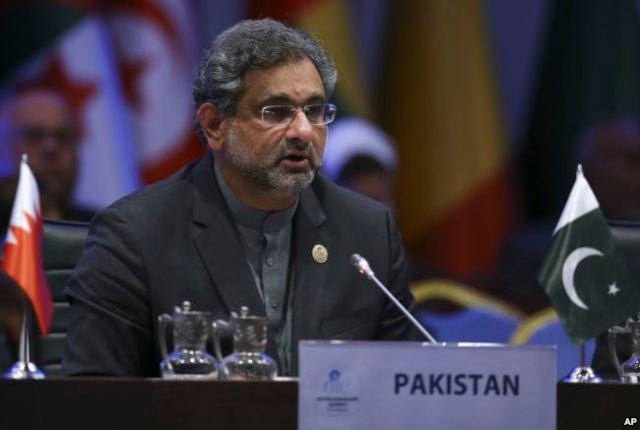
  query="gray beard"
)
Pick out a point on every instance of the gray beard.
point(269, 173)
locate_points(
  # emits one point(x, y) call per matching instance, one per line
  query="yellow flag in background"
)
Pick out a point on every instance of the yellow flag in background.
point(329, 21)
point(440, 103)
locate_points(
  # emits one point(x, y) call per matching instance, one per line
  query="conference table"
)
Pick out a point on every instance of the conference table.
point(109, 403)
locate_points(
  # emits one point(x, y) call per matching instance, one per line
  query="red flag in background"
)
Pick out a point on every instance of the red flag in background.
point(125, 68)
point(155, 45)
point(23, 248)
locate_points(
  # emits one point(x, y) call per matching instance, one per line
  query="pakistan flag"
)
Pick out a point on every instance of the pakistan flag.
point(584, 275)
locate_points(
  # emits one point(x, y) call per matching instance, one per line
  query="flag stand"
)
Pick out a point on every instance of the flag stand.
point(583, 374)
point(24, 368)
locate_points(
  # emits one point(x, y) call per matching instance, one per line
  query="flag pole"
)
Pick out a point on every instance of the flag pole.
point(24, 368)
point(583, 374)
point(22, 262)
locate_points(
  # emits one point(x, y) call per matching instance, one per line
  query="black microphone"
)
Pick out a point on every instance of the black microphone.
point(364, 269)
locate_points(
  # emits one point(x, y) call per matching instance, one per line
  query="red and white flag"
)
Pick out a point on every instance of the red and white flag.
point(23, 247)
point(125, 69)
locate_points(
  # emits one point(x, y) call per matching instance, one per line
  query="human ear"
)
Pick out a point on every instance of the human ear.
point(210, 119)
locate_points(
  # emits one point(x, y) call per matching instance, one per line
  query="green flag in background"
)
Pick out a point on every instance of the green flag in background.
point(584, 275)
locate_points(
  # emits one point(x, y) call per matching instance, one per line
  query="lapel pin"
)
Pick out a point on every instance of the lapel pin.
point(319, 253)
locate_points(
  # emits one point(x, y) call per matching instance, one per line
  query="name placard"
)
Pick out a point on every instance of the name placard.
point(410, 385)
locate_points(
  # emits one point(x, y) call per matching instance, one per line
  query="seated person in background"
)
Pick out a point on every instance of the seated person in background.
point(609, 152)
point(38, 122)
point(610, 155)
point(250, 224)
point(361, 157)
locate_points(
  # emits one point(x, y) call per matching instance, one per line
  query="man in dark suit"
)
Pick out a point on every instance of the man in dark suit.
point(251, 224)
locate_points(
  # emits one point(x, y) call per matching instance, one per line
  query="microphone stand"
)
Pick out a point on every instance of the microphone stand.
point(364, 269)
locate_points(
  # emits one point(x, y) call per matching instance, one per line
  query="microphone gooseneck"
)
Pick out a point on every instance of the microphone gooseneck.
point(362, 265)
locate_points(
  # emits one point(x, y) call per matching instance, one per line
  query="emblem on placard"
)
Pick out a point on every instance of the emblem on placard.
point(337, 393)
point(319, 254)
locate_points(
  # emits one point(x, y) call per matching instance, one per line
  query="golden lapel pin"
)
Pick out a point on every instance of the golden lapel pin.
point(319, 253)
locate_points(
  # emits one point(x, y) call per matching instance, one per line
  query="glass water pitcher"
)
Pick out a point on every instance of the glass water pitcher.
point(248, 362)
point(629, 371)
point(189, 359)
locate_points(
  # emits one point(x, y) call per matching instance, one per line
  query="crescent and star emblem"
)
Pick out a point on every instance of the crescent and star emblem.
point(568, 271)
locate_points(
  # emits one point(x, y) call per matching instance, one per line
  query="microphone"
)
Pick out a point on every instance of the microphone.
point(364, 269)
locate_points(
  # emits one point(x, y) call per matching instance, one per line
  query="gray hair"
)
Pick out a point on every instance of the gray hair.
point(248, 45)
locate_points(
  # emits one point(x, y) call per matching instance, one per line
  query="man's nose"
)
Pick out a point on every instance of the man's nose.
point(300, 128)
point(49, 145)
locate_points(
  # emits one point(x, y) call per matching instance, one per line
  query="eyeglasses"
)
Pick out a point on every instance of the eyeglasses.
point(318, 114)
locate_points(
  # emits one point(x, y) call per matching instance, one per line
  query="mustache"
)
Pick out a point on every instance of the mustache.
point(300, 149)
point(297, 144)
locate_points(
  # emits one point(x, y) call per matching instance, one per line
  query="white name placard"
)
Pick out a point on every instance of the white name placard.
point(411, 385)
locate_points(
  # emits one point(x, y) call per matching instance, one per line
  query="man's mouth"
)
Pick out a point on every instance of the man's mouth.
point(296, 162)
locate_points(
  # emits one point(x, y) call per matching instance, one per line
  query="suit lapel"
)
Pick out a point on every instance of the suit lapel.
point(221, 252)
point(218, 244)
point(309, 275)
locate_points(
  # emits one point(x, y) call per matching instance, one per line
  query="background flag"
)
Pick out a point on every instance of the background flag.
point(125, 68)
point(584, 275)
point(440, 103)
point(330, 21)
point(23, 247)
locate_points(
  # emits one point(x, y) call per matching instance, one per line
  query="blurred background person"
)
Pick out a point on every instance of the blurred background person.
point(609, 152)
point(361, 157)
point(610, 155)
point(39, 123)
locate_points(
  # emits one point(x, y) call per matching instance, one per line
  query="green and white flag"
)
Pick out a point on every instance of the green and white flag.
point(584, 275)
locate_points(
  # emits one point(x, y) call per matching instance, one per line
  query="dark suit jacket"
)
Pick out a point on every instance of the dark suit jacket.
point(176, 241)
